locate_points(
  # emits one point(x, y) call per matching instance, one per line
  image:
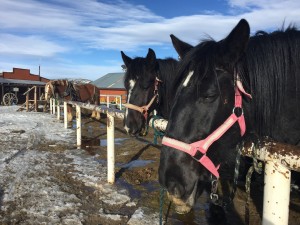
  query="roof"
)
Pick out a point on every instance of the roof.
point(111, 80)
point(24, 82)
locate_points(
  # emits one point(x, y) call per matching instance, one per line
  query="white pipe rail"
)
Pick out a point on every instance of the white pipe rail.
point(53, 105)
point(110, 148)
point(279, 160)
point(108, 102)
point(65, 115)
point(51, 109)
point(58, 110)
point(78, 125)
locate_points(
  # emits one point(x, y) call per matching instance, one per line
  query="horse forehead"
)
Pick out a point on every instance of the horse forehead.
point(132, 83)
point(188, 77)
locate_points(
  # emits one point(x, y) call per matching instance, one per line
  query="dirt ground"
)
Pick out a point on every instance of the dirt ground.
point(46, 179)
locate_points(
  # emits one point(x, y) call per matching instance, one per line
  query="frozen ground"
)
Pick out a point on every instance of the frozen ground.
point(45, 179)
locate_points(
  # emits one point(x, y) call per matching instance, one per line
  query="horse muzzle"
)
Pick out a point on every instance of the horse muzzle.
point(181, 207)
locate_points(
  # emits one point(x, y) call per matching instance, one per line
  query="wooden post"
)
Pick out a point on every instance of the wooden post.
point(35, 100)
point(120, 104)
point(58, 110)
point(107, 101)
point(27, 102)
point(110, 149)
point(65, 115)
point(78, 125)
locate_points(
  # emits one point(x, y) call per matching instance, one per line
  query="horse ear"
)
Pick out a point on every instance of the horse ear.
point(181, 47)
point(233, 46)
point(151, 58)
point(127, 60)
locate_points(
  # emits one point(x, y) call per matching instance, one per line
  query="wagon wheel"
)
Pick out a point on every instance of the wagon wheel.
point(10, 99)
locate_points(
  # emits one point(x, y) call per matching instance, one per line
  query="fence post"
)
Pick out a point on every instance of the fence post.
point(54, 103)
point(78, 125)
point(65, 115)
point(276, 194)
point(27, 102)
point(110, 149)
point(35, 100)
point(58, 110)
point(107, 101)
point(51, 109)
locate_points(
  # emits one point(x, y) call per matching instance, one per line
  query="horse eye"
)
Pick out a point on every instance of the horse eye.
point(209, 98)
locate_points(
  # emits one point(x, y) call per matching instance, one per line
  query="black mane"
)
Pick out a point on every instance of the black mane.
point(166, 68)
point(137, 69)
point(268, 68)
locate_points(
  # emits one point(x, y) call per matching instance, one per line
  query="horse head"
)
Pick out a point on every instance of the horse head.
point(140, 82)
point(49, 90)
point(193, 147)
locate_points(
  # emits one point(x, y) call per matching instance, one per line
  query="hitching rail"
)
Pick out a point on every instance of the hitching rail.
point(279, 160)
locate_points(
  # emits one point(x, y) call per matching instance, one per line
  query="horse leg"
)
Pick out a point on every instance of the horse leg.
point(93, 114)
point(70, 116)
point(98, 116)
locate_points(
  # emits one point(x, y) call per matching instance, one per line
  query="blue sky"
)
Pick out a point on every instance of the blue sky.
point(83, 38)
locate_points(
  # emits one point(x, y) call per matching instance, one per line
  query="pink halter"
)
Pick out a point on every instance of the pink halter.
point(203, 145)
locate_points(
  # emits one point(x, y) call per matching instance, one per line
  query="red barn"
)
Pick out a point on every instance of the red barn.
point(111, 88)
point(18, 82)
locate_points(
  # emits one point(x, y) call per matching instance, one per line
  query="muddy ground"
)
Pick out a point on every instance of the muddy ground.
point(46, 179)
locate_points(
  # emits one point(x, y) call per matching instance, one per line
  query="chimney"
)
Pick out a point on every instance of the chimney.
point(39, 72)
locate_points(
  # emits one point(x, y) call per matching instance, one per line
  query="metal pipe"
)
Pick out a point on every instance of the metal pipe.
point(78, 125)
point(110, 149)
point(53, 104)
point(65, 115)
point(276, 194)
point(51, 109)
point(58, 110)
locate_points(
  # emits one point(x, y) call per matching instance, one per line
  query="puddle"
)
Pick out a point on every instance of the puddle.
point(118, 141)
point(133, 192)
point(90, 128)
point(101, 161)
point(135, 163)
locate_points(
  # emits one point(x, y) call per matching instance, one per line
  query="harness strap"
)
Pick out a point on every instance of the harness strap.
point(144, 109)
point(203, 145)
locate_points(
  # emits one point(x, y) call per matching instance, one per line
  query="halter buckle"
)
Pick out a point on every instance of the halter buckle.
point(214, 197)
point(238, 111)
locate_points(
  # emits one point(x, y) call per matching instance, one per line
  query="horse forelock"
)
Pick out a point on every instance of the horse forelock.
point(135, 70)
point(200, 60)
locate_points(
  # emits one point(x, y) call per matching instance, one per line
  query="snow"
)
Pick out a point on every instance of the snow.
point(45, 179)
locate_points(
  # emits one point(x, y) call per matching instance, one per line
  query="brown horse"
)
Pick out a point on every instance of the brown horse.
point(70, 91)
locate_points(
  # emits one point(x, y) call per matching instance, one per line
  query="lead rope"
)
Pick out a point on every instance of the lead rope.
point(257, 167)
point(161, 205)
point(214, 185)
point(236, 171)
point(157, 133)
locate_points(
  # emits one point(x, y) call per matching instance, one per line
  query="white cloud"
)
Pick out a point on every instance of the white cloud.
point(29, 45)
point(50, 28)
point(99, 25)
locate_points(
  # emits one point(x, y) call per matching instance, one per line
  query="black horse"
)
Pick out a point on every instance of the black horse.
point(212, 112)
point(148, 82)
